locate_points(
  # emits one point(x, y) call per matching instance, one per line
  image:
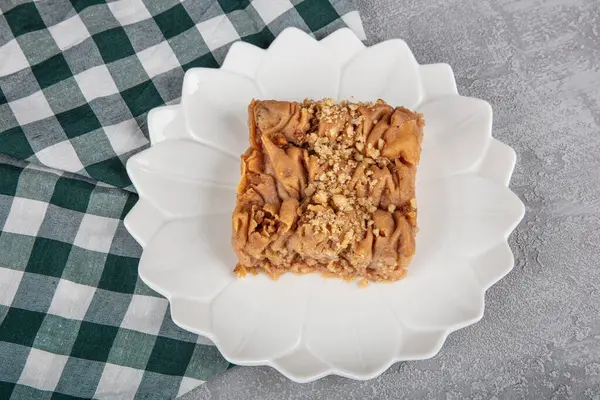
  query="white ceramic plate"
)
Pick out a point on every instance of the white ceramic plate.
point(307, 326)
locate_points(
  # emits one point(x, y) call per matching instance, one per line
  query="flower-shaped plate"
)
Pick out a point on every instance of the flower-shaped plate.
point(308, 326)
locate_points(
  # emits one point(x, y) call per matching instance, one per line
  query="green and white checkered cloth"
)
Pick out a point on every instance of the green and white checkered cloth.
point(77, 79)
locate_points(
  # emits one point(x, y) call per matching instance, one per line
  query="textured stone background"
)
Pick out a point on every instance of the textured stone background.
point(538, 63)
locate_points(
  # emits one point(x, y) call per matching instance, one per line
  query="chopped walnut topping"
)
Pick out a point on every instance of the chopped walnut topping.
point(372, 152)
point(340, 202)
point(320, 197)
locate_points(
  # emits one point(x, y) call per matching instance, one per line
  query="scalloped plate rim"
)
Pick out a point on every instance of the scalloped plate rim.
point(331, 370)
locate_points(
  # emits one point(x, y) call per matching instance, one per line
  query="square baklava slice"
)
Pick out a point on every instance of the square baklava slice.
point(328, 187)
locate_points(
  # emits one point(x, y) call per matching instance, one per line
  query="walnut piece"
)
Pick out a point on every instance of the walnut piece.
point(328, 187)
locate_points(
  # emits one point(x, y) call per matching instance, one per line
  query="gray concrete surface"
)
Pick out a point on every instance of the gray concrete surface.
point(538, 63)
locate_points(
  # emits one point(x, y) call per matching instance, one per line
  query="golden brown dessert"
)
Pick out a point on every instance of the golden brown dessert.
point(328, 187)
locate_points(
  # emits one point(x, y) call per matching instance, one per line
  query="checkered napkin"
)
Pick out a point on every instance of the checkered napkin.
point(77, 79)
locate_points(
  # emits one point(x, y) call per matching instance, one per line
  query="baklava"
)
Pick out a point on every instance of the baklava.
point(328, 187)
